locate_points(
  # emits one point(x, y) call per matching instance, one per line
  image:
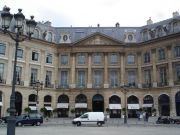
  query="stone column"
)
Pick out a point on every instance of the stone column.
point(10, 65)
point(172, 103)
point(156, 106)
point(27, 72)
point(154, 67)
point(56, 72)
point(106, 84)
point(89, 81)
point(122, 69)
point(170, 68)
point(73, 72)
point(139, 71)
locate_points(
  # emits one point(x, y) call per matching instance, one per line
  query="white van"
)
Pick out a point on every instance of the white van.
point(90, 118)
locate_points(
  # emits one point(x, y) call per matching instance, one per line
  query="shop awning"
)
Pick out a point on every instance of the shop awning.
point(48, 108)
point(81, 105)
point(33, 108)
point(147, 105)
point(1, 104)
point(114, 106)
point(62, 105)
point(133, 106)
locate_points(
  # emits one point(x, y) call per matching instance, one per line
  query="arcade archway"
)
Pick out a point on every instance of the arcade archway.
point(133, 106)
point(115, 106)
point(164, 105)
point(177, 100)
point(63, 106)
point(80, 105)
point(98, 103)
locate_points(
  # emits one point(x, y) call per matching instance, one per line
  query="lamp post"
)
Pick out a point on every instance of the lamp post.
point(30, 24)
point(124, 90)
point(37, 86)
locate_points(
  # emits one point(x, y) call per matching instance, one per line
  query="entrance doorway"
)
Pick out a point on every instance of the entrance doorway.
point(98, 103)
point(18, 103)
point(164, 105)
point(177, 98)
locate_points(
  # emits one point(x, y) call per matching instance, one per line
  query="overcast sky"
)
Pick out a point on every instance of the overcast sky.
point(84, 13)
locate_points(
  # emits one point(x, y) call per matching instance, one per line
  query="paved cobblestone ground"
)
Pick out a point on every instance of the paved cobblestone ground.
point(72, 130)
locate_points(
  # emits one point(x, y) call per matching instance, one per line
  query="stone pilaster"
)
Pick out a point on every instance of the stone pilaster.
point(27, 69)
point(122, 69)
point(172, 103)
point(170, 68)
point(42, 71)
point(89, 81)
point(10, 65)
point(154, 67)
point(156, 106)
point(73, 64)
point(139, 70)
point(106, 84)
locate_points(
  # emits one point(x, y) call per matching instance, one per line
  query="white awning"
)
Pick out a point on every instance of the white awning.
point(147, 105)
point(62, 105)
point(1, 104)
point(33, 108)
point(133, 106)
point(114, 106)
point(81, 105)
point(48, 108)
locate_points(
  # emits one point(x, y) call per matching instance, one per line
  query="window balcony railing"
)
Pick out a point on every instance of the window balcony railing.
point(177, 82)
point(114, 86)
point(132, 85)
point(62, 86)
point(49, 85)
point(21, 83)
point(97, 86)
point(2, 81)
point(162, 84)
point(81, 86)
point(147, 85)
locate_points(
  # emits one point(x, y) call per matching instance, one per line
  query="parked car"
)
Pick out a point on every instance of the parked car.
point(90, 118)
point(164, 120)
point(29, 119)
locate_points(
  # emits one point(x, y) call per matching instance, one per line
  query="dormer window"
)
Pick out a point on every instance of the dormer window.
point(160, 32)
point(36, 33)
point(175, 27)
point(50, 37)
point(145, 36)
point(130, 37)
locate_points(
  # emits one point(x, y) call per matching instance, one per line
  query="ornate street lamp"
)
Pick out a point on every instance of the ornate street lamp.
point(37, 86)
point(124, 90)
point(19, 18)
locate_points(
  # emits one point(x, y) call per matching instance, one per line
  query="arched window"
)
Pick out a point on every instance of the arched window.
point(0, 96)
point(148, 100)
point(114, 100)
point(50, 37)
point(81, 99)
point(36, 33)
point(47, 98)
point(63, 99)
point(32, 98)
point(133, 100)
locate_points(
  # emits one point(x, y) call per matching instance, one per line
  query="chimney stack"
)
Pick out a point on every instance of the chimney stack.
point(149, 22)
point(175, 14)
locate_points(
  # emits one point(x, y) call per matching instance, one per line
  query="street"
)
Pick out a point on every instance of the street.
point(89, 130)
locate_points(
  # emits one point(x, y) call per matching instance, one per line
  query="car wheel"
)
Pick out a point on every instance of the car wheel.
point(99, 124)
point(19, 124)
point(38, 123)
point(78, 123)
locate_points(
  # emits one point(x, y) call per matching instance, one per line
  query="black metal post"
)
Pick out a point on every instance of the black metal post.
point(11, 121)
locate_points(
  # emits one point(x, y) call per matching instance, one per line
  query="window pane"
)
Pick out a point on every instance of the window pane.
point(114, 59)
point(131, 59)
point(81, 78)
point(97, 59)
point(34, 73)
point(177, 51)
point(20, 53)
point(2, 49)
point(49, 58)
point(81, 59)
point(48, 78)
point(1, 71)
point(64, 78)
point(114, 78)
point(64, 59)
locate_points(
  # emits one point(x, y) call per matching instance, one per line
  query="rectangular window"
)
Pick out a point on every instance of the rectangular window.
point(81, 59)
point(131, 59)
point(98, 78)
point(97, 59)
point(163, 75)
point(177, 72)
point(114, 59)
point(114, 78)
point(161, 54)
point(19, 53)
point(177, 51)
point(18, 74)
point(49, 58)
point(131, 78)
point(64, 79)
point(81, 78)
point(2, 49)
point(147, 57)
point(35, 56)
point(1, 72)
point(34, 73)
point(64, 59)
point(48, 78)
point(147, 76)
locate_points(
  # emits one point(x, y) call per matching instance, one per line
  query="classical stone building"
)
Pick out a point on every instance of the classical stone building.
point(95, 68)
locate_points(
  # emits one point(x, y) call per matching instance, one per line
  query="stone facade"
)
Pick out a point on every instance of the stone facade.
point(89, 46)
